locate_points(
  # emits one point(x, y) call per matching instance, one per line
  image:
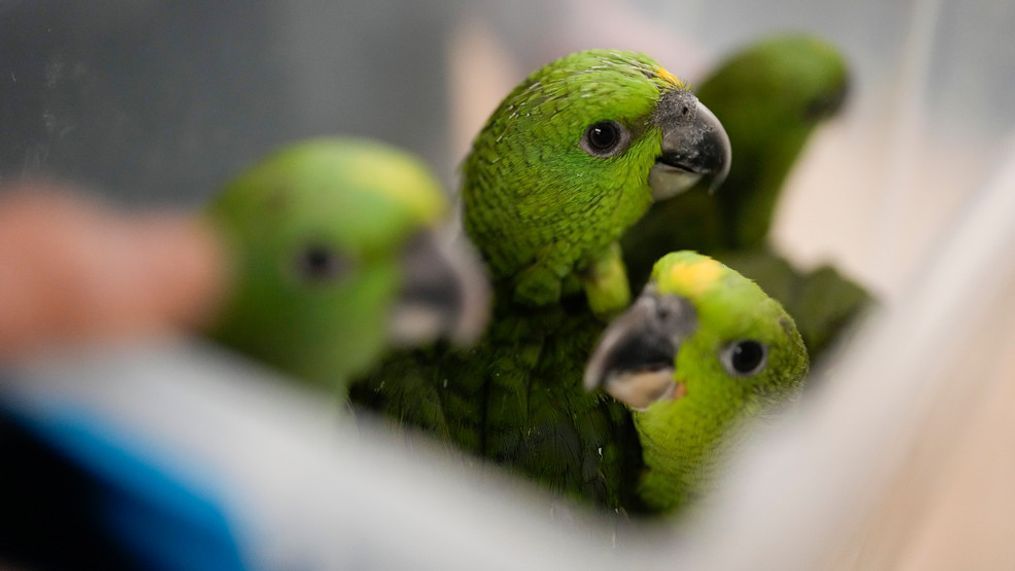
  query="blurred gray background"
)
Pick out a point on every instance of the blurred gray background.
point(159, 102)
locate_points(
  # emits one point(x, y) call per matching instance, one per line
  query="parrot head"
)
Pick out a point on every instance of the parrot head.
point(700, 350)
point(336, 253)
point(770, 97)
point(577, 152)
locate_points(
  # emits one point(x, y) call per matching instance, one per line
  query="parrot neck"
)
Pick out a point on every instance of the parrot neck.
point(750, 196)
point(680, 449)
point(517, 219)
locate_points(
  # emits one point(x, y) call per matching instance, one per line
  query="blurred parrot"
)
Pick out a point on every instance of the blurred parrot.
point(336, 255)
point(699, 352)
point(573, 156)
point(770, 97)
point(333, 254)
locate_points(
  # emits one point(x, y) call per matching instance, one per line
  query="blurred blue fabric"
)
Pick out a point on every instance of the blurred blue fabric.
point(133, 508)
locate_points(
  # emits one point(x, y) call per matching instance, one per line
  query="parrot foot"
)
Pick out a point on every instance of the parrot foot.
point(606, 285)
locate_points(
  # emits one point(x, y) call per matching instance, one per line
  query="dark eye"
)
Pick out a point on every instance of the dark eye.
point(744, 358)
point(818, 109)
point(826, 105)
point(318, 262)
point(604, 139)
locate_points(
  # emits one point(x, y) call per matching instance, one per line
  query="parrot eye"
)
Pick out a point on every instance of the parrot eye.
point(826, 105)
point(744, 358)
point(317, 262)
point(819, 109)
point(605, 139)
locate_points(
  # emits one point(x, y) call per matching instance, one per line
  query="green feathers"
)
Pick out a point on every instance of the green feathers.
point(516, 400)
point(572, 157)
point(569, 161)
point(326, 238)
point(532, 193)
point(770, 96)
point(336, 258)
point(699, 352)
point(563, 167)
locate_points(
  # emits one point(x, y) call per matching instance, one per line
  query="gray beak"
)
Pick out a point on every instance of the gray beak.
point(634, 361)
point(444, 292)
point(695, 146)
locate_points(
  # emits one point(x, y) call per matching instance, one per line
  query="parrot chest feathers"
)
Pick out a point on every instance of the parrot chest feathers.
point(517, 400)
point(558, 229)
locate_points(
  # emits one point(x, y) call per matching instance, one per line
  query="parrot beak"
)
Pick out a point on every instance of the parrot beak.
point(634, 361)
point(444, 292)
point(695, 146)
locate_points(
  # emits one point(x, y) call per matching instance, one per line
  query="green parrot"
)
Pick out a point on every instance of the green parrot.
point(699, 352)
point(335, 252)
point(572, 157)
point(770, 97)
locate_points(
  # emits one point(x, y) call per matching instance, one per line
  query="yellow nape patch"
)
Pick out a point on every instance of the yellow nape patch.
point(665, 75)
point(696, 277)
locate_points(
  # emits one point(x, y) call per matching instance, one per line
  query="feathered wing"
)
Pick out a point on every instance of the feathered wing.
point(517, 401)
